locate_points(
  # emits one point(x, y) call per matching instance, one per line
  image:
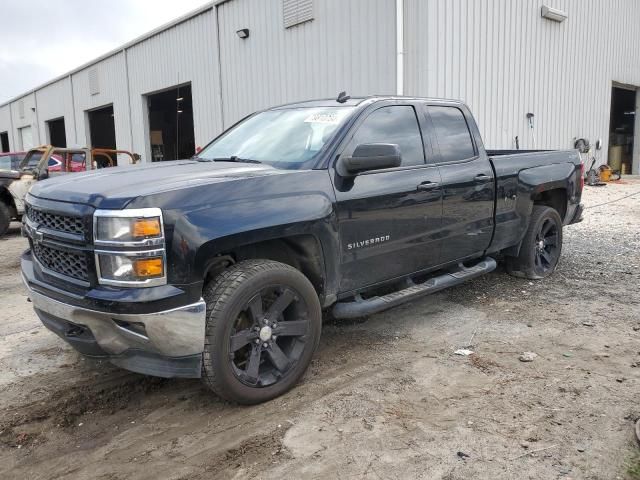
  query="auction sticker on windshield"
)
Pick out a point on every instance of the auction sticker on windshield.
point(331, 118)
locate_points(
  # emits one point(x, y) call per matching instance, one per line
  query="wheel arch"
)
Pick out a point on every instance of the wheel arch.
point(302, 251)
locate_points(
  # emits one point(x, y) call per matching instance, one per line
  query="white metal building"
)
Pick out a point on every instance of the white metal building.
point(577, 72)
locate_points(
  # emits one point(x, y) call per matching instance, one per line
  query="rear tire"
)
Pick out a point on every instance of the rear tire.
point(541, 246)
point(5, 219)
point(263, 326)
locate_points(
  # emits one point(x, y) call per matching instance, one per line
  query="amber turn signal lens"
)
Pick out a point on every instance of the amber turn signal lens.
point(146, 227)
point(148, 267)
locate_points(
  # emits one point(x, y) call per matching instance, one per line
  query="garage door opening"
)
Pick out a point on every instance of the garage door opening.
point(57, 135)
point(4, 141)
point(102, 129)
point(171, 124)
point(622, 128)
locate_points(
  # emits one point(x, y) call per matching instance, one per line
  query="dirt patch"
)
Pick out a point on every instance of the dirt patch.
point(385, 397)
point(65, 406)
point(247, 457)
point(483, 364)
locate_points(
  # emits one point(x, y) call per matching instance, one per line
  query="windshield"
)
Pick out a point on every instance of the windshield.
point(10, 162)
point(287, 138)
point(31, 160)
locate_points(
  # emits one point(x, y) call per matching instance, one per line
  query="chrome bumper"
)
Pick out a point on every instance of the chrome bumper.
point(172, 333)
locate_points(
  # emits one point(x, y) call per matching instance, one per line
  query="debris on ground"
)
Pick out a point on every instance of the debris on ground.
point(528, 357)
point(464, 352)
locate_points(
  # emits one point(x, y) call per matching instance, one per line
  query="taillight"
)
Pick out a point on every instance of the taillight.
point(581, 176)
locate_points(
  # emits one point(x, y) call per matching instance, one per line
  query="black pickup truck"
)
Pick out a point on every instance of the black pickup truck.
point(221, 266)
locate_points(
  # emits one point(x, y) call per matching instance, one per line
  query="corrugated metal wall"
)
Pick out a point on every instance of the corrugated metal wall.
point(504, 60)
point(24, 115)
point(182, 54)
point(55, 101)
point(349, 45)
point(499, 56)
point(112, 90)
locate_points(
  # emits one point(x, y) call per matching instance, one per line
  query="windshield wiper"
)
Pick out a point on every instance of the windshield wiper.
point(235, 158)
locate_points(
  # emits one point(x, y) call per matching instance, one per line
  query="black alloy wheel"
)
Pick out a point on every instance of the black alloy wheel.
point(547, 251)
point(263, 325)
point(541, 245)
point(268, 337)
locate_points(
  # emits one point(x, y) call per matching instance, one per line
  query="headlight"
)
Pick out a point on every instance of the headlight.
point(141, 227)
point(130, 249)
point(131, 267)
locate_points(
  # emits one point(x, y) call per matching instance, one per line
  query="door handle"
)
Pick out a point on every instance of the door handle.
point(426, 186)
point(482, 178)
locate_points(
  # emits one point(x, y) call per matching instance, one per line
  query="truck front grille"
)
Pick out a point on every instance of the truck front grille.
point(66, 263)
point(60, 223)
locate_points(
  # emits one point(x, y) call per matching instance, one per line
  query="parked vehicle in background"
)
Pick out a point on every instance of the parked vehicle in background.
point(219, 267)
point(45, 162)
point(56, 164)
point(11, 160)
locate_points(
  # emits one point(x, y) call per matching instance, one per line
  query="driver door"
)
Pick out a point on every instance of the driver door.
point(389, 219)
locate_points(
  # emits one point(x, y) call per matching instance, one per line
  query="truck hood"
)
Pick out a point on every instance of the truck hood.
point(115, 187)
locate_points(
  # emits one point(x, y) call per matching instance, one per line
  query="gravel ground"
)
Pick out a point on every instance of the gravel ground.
point(384, 398)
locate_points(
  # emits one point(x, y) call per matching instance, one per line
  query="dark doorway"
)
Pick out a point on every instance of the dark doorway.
point(621, 129)
point(171, 124)
point(4, 141)
point(57, 135)
point(102, 128)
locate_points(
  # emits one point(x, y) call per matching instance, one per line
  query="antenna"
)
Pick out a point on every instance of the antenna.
point(342, 97)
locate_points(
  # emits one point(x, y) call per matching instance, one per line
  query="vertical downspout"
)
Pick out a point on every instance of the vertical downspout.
point(399, 47)
point(35, 103)
point(126, 74)
point(13, 145)
point(219, 54)
point(75, 117)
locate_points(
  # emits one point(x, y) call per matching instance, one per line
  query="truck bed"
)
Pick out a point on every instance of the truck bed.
point(518, 173)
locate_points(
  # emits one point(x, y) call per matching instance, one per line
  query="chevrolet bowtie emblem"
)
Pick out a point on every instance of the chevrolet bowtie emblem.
point(38, 236)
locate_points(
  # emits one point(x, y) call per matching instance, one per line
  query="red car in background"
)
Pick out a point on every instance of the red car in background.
point(77, 163)
point(11, 160)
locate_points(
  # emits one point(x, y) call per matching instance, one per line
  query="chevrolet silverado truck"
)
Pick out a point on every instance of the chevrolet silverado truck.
point(48, 161)
point(221, 266)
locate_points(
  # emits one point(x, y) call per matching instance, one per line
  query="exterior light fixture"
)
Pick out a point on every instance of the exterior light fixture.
point(553, 14)
point(179, 99)
point(243, 33)
point(179, 111)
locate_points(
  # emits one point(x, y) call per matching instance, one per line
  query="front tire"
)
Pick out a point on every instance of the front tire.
point(263, 326)
point(5, 219)
point(541, 246)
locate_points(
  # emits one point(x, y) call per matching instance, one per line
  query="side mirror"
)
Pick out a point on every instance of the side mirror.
point(370, 156)
point(44, 174)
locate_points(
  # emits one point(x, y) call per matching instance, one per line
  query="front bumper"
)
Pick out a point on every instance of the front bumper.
point(167, 343)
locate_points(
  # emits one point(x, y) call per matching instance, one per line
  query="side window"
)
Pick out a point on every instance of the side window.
point(394, 124)
point(452, 133)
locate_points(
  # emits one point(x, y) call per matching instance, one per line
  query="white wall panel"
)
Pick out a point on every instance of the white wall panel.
point(24, 114)
point(112, 80)
point(185, 53)
point(55, 101)
point(349, 45)
point(504, 60)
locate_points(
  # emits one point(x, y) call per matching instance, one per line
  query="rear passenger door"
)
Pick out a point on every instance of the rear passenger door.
point(389, 219)
point(467, 182)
